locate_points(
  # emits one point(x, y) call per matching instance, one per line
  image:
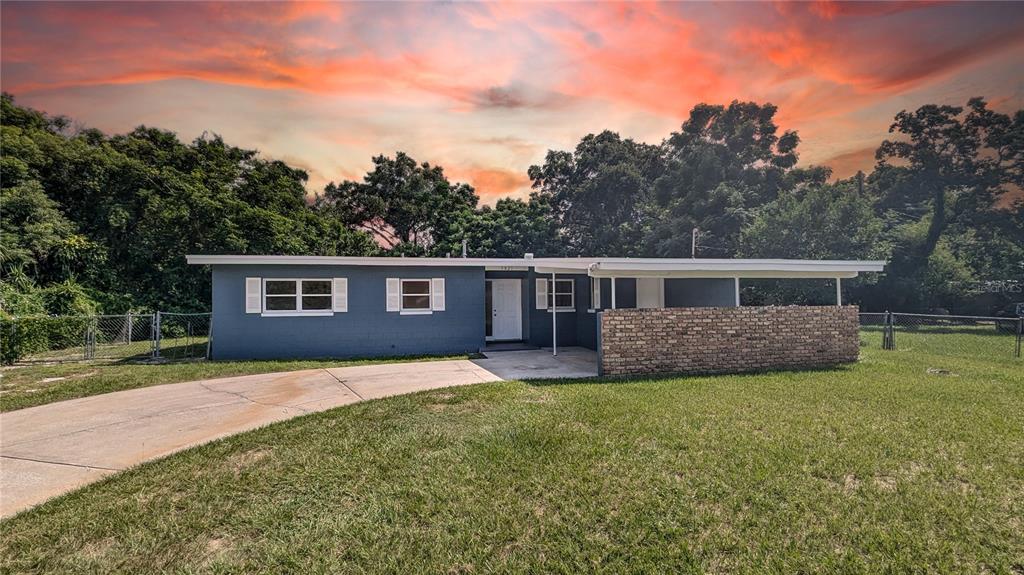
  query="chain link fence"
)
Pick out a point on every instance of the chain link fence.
point(972, 336)
point(132, 337)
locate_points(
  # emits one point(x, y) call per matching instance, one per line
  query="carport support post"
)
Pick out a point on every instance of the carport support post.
point(839, 292)
point(554, 317)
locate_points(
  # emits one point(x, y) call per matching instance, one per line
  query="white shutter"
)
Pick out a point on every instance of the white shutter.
point(437, 294)
point(394, 295)
point(542, 293)
point(595, 293)
point(340, 294)
point(253, 295)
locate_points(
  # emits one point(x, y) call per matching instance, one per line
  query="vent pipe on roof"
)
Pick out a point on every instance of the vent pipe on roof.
point(528, 256)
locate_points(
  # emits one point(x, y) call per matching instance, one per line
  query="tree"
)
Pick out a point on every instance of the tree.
point(820, 221)
point(36, 236)
point(120, 213)
point(939, 184)
point(408, 207)
point(512, 228)
point(598, 192)
point(721, 166)
point(952, 165)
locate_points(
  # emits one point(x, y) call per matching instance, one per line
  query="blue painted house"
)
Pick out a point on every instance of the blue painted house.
point(316, 306)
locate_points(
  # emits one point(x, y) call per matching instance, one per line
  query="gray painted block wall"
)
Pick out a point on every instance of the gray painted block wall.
point(700, 292)
point(365, 330)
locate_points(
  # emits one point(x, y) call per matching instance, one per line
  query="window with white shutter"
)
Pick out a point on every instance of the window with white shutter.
point(297, 297)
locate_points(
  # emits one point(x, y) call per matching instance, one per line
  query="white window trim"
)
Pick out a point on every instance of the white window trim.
point(552, 296)
point(298, 299)
point(416, 311)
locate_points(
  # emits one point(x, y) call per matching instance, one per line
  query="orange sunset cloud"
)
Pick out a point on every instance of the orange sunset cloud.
point(486, 89)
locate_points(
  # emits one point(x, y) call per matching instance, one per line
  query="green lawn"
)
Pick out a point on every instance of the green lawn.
point(904, 462)
point(30, 385)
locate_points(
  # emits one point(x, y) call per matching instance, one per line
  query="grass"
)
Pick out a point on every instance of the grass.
point(904, 462)
point(31, 385)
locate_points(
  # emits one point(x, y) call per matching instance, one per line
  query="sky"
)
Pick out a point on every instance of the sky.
point(485, 90)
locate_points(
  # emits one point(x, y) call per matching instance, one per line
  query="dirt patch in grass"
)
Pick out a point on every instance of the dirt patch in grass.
point(240, 462)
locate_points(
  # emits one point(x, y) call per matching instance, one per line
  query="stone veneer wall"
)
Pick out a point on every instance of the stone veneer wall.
point(726, 339)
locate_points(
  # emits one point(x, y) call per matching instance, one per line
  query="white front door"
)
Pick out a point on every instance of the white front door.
point(506, 309)
point(650, 292)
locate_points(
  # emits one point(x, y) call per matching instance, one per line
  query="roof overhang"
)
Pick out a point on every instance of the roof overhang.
point(595, 267)
point(354, 261)
point(697, 268)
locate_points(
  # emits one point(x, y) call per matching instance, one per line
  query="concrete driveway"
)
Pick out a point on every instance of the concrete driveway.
point(51, 449)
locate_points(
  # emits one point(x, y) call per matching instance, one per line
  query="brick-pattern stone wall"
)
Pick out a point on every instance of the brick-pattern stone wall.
point(726, 339)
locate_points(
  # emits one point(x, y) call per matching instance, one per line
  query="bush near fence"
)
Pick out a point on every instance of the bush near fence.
point(22, 337)
point(129, 336)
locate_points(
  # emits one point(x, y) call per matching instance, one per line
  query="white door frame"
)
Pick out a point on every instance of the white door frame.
point(515, 332)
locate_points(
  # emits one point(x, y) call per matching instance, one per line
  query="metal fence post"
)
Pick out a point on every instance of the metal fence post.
point(209, 336)
point(86, 342)
point(887, 331)
point(1020, 334)
point(156, 335)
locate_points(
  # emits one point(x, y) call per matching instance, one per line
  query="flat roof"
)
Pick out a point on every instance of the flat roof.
point(593, 266)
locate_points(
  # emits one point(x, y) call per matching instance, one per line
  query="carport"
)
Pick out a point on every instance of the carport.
point(649, 277)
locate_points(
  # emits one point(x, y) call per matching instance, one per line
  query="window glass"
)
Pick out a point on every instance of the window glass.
point(280, 303)
point(562, 293)
point(298, 295)
point(416, 294)
point(280, 287)
point(316, 287)
point(316, 302)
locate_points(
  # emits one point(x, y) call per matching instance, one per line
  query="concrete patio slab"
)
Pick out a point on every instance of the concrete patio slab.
point(571, 362)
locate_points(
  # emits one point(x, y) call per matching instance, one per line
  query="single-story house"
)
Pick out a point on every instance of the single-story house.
point(319, 306)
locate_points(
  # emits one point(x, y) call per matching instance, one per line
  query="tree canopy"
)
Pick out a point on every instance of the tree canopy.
point(98, 222)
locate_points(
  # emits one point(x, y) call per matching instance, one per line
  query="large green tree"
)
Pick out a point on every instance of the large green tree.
point(512, 228)
point(410, 208)
point(721, 166)
point(816, 221)
point(939, 183)
point(121, 212)
point(598, 193)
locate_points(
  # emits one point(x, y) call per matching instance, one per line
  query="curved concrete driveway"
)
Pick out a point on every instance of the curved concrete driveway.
point(50, 449)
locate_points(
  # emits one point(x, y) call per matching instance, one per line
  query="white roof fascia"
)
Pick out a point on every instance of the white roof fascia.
point(737, 268)
point(353, 261)
point(766, 274)
point(597, 267)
